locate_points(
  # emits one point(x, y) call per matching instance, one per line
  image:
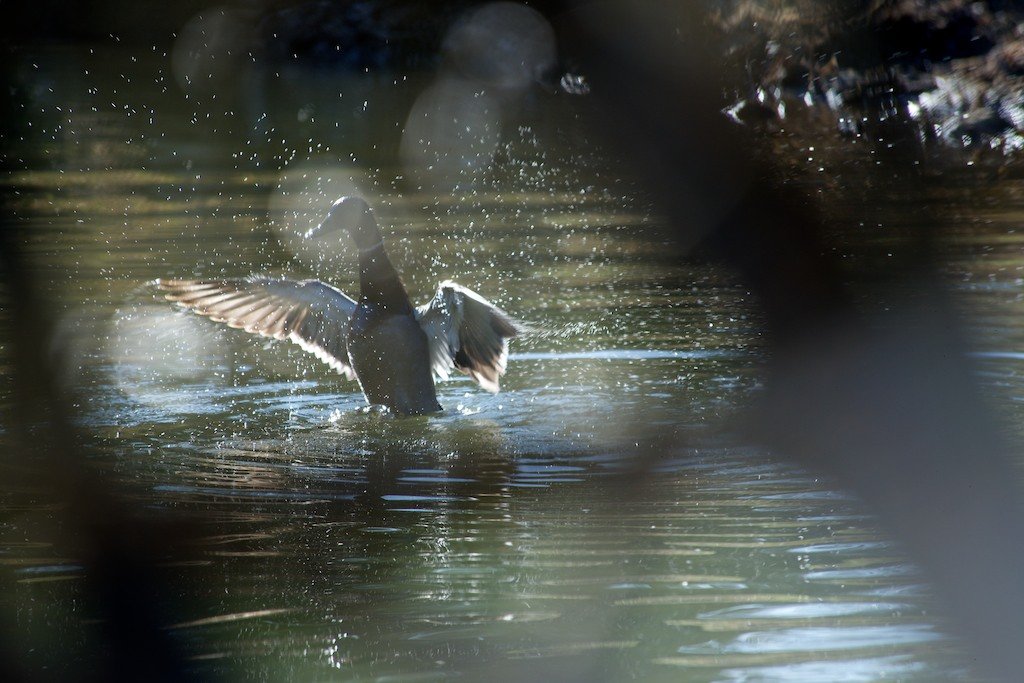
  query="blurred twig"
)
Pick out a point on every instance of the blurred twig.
point(885, 400)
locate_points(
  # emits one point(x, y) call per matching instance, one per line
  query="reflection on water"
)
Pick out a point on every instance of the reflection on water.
point(390, 548)
point(499, 540)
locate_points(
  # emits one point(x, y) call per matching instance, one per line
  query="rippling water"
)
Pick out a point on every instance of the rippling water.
point(537, 533)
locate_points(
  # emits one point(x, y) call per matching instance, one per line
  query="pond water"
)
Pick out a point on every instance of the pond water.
point(601, 518)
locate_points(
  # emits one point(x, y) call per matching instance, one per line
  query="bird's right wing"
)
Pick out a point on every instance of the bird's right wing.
point(310, 313)
point(467, 332)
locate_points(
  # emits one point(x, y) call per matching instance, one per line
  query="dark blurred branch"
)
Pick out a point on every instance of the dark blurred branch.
point(118, 548)
point(885, 400)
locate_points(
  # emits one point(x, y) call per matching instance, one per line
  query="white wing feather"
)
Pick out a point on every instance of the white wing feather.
point(467, 332)
point(310, 313)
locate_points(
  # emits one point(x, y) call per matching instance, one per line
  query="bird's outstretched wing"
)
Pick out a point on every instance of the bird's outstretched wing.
point(467, 332)
point(310, 313)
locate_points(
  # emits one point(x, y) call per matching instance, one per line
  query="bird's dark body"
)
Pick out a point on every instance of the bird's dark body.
point(391, 358)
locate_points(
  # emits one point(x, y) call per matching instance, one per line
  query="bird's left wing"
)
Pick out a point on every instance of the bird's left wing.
point(310, 313)
point(467, 332)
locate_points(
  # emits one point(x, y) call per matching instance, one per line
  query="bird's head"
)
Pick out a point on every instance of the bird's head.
point(354, 215)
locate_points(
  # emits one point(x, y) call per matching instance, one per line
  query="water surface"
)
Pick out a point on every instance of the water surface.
point(602, 518)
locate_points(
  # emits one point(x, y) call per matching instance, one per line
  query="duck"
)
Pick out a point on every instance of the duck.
point(395, 351)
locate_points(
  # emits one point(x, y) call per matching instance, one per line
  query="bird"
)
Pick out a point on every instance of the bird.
point(392, 349)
